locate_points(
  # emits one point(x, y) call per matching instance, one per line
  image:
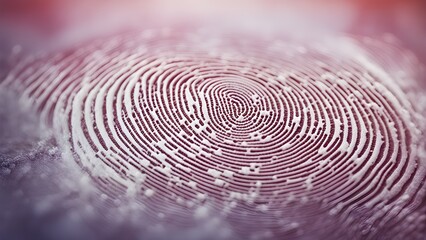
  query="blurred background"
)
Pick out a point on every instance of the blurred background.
point(35, 22)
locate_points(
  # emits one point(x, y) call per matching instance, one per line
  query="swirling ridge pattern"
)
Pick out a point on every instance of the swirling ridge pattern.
point(165, 116)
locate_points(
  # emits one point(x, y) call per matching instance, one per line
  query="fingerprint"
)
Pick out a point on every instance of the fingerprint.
point(263, 131)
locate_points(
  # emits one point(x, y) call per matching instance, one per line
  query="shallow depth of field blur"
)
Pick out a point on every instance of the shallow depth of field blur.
point(29, 161)
point(36, 24)
point(43, 21)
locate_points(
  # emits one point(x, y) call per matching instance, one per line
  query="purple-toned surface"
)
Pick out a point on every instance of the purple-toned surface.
point(208, 131)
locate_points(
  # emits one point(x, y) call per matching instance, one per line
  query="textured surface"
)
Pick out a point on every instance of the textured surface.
point(276, 136)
